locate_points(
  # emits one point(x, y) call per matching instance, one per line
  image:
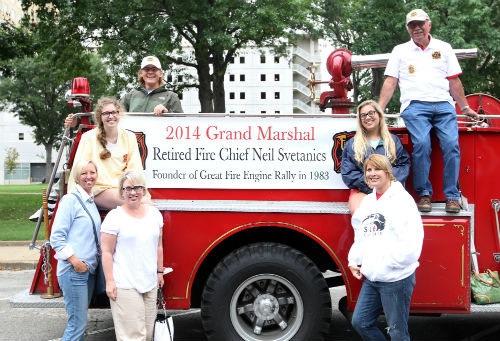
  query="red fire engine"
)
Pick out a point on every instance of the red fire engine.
point(256, 224)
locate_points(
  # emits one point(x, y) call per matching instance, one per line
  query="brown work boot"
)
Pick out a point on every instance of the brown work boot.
point(424, 204)
point(452, 206)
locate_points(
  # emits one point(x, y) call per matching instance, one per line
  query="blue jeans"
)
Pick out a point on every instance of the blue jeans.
point(419, 118)
point(391, 297)
point(77, 288)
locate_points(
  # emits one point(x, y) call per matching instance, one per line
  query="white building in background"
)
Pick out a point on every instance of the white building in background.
point(258, 81)
point(31, 160)
point(10, 10)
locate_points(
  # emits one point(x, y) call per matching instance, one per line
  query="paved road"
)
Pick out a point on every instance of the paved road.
point(43, 324)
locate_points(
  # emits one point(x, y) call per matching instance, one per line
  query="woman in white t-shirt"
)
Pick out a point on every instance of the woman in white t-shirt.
point(132, 258)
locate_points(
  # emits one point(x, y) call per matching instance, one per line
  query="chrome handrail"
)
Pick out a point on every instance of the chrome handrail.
point(380, 60)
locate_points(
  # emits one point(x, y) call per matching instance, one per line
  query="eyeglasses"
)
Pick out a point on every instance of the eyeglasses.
point(110, 113)
point(370, 114)
point(135, 188)
point(414, 24)
point(147, 69)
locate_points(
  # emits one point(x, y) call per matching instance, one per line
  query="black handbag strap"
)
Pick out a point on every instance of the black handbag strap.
point(97, 245)
point(161, 300)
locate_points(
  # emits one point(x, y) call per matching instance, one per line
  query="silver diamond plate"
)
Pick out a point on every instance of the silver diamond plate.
point(25, 300)
point(484, 308)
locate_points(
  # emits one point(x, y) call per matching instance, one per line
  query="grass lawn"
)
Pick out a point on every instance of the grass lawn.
point(15, 208)
point(22, 189)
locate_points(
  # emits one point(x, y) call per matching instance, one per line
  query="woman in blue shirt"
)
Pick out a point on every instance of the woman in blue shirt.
point(74, 242)
point(372, 136)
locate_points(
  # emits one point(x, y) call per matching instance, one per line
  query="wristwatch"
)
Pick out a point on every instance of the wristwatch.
point(464, 108)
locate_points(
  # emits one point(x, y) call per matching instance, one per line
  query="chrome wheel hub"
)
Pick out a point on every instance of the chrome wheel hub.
point(266, 307)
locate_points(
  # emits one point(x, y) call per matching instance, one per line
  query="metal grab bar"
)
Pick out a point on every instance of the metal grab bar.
point(380, 60)
point(495, 204)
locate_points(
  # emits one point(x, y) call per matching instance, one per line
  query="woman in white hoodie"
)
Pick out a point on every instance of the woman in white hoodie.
point(388, 236)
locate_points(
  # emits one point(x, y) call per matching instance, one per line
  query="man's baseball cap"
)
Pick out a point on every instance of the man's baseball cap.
point(418, 15)
point(150, 60)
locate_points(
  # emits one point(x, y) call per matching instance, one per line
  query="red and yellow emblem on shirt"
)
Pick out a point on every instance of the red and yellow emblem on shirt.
point(125, 158)
point(411, 69)
point(436, 55)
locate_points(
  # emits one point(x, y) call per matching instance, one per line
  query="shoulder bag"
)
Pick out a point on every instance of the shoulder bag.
point(485, 287)
point(100, 281)
point(164, 324)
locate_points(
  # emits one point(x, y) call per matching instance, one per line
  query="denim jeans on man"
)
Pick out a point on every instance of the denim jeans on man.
point(420, 117)
point(77, 289)
point(391, 297)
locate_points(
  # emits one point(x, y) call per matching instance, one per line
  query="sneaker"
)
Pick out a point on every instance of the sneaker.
point(452, 206)
point(50, 209)
point(424, 204)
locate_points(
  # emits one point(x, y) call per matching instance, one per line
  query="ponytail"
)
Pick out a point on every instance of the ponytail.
point(101, 137)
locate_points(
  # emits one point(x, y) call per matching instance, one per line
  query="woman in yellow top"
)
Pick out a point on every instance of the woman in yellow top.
point(112, 149)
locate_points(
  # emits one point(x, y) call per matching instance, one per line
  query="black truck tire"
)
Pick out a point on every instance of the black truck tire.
point(266, 291)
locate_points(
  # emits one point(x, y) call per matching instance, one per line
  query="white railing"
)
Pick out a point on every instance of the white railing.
point(302, 106)
point(311, 58)
point(302, 88)
point(302, 53)
point(301, 70)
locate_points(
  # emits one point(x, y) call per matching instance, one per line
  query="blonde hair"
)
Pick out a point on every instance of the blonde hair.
point(101, 133)
point(361, 143)
point(135, 177)
point(142, 83)
point(78, 168)
point(380, 162)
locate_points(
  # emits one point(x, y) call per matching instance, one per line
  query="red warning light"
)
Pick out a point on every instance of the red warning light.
point(80, 87)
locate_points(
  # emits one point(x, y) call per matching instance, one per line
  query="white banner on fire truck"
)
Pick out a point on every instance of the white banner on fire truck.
point(230, 152)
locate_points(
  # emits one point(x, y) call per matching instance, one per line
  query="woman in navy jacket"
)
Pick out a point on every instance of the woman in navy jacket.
point(371, 137)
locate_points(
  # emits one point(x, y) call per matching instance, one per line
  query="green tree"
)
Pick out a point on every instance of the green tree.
point(36, 96)
point(10, 161)
point(35, 93)
point(18, 42)
point(55, 41)
point(198, 34)
point(37, 68)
